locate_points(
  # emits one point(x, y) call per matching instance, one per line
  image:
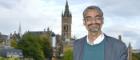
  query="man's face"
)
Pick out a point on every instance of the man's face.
point(93, 21)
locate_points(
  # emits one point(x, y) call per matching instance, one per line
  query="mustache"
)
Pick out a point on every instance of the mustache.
point(93, 24)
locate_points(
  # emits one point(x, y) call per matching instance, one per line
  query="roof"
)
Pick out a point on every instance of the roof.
point(3, 37)
point(41, 32)
point(10, 51)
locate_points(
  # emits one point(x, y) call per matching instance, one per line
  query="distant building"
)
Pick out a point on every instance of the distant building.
point(3, 37)
point(4, 40)
point(11, 52)
point(6, 50)
point(16, 35)
point(129, 52)
point(59, 46)
point(66, 24)
point(136, 51)
point(56, 41)
point(42, 33)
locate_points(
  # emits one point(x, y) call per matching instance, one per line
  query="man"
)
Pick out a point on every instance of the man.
point(96, 45)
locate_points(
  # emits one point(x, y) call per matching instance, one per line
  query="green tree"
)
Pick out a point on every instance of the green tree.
point(136, 56)
point(68, 53)
point(31, 47)
point(13, 43)
point(45, 41)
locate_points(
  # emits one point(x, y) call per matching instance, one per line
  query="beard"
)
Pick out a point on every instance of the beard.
point(94, 28)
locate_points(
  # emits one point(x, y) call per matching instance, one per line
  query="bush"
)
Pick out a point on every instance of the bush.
point(68, 53)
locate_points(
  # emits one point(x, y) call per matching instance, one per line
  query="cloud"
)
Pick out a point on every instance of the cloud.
point(121, 17)
point(9, 4)
point(31, 13)
point(130, 34)
point(119, 8)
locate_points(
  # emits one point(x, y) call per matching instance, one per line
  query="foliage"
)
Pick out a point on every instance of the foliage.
point(46, 44)
point(68, 53)
point(136, 56)
point(2, 58)
point(35, 46)
point(13, 43)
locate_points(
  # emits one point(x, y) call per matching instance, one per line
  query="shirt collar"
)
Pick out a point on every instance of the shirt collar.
point(97, 41)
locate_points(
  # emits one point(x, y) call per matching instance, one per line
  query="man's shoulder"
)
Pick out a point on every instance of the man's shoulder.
point(77, 41)
point(114, 41)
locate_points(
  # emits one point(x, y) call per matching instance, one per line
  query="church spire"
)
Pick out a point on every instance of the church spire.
point(62, 14)
point(120, 37)
point(66, 6)
point(66, 23)
point(129, 46)
point(19, 29)
point(67, 12)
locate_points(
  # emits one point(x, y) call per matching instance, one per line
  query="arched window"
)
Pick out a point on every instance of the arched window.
point(66, 28)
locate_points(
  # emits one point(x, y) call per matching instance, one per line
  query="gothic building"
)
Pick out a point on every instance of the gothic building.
point(3, 40)
point(66, 24)
point(129, 49)
point(129, 52)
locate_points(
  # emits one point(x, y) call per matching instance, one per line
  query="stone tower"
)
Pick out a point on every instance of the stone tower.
point(129, 52)
point(66, 23)
point(129, 49)
point(120, 37)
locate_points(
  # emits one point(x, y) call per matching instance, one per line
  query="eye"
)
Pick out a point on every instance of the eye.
point(87, 18)
point(99, 18)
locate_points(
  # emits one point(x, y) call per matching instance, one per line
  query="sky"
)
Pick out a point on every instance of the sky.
point(121, 17)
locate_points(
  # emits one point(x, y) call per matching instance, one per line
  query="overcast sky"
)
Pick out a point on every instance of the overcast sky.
point(122, 17)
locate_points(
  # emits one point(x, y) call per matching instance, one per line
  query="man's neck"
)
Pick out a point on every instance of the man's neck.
point(93, 36)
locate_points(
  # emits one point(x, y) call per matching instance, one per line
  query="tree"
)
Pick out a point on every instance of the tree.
point(13, 43)
point(31, 47)
point(68, 53)
point(136, 56)
point(45, 41)
point(37, 46)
